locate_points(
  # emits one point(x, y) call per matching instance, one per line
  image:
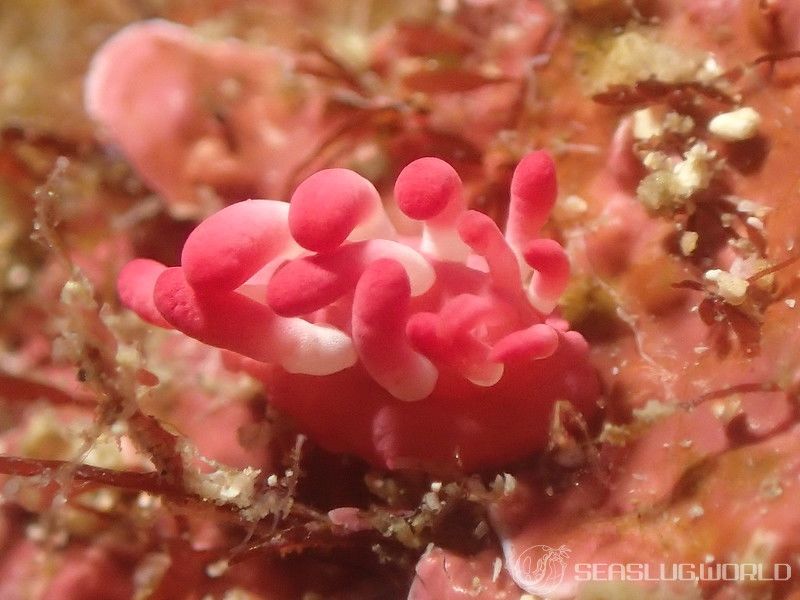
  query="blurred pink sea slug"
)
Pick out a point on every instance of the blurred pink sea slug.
point(433, 351)
point(203, 122)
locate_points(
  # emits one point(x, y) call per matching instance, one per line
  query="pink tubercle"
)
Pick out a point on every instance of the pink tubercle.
point(533, 194)
point(380, 306)
point(135, 286)
point(230, 246)
point(536, 342)
point(429, 190)
point(330, 205)
point(232, 321)
point(550, 277)
point(485, 239)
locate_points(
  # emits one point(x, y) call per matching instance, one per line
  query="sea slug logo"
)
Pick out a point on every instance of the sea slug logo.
point(540, 569)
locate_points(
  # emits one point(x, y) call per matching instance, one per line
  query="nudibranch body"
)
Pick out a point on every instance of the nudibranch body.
point(432, 351)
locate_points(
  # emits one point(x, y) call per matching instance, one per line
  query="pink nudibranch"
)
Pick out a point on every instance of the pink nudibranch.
point(435, 352)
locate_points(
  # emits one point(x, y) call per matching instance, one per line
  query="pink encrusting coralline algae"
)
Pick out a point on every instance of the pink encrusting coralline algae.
point(434, 351)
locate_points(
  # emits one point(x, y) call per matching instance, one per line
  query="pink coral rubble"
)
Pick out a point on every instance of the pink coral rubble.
point(439, 350)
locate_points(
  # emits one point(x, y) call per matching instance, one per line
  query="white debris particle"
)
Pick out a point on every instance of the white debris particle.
point(696, 511)
point(790, 302)
point(634, 56)
point(150, 571)
point(272, 480)
point(749, 206)
point(498, 566)
point(145, 500)
point(747, 267)
point(755, 223)
point(119, 428)
point(102, 500)
point(733, 289)
point(510, 484)
point(710, 69)
point(653, 411)
point(645, 125)
point(128, 356)
point(694, 172)
point(688, 242)
point(572, 207)
point(678, 123)
point(481, 529)
point(18, 276)
point(655, 160)
point(432, 501)
point(35, 532)
point(105, 452)
point(671, 183)
point(222, 486)
point(736, 125)
point(240, 594)
point(217, 569)
point(771, 488)
point(46, 437)
point(436, 486)
point(615, 435)
point(727, 410)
